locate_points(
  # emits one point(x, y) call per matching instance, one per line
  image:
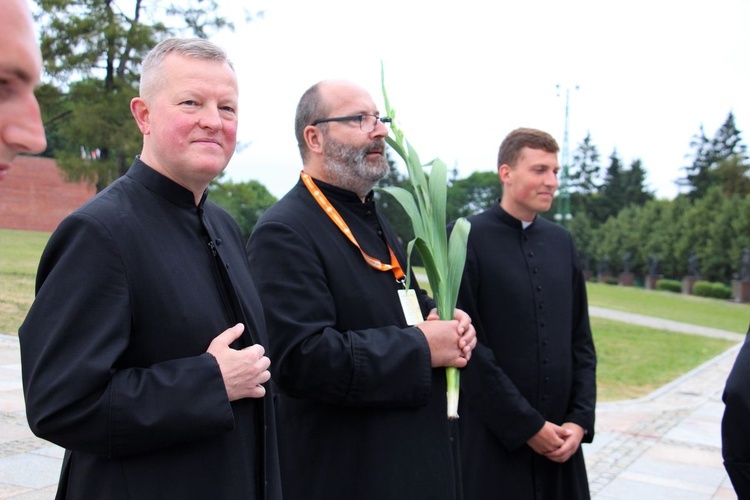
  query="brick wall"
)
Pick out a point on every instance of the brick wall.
point(35, 197)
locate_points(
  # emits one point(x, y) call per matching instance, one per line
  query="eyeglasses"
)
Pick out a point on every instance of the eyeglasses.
point(367, 123)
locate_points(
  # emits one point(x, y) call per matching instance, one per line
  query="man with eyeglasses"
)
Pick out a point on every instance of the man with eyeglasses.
point(362, 409)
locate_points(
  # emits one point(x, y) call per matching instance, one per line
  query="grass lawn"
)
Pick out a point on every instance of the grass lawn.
point(634, 360)
point(714, 313)
point(19, 257)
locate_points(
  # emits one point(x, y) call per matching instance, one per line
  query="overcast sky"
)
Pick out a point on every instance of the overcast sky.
point(461, 75)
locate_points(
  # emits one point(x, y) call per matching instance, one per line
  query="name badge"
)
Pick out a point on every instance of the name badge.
point(410, 305)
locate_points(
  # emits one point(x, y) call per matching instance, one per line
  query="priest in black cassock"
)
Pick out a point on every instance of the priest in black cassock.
point(142, 354)
point(362, 404)
point(528, 396)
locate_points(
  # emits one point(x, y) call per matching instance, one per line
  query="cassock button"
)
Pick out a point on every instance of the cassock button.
point(541, 305)
point(536, 270)
point(531, 254)
point(539, 288)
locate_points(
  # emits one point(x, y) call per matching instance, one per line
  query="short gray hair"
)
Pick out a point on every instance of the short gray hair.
point(198, 48)
point(310, 108)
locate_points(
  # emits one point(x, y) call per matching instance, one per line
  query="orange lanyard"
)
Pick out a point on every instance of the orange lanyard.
point(334, 215)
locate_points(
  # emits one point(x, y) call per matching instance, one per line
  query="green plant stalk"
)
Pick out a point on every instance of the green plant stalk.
point(443, 258)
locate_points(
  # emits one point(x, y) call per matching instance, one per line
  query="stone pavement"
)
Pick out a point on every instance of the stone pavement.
point(663, 446)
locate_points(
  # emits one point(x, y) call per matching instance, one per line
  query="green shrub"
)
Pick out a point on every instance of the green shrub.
point(611, 280)
point(711, 289)
point(669, 285)
point(721, 291)
point(702, 289)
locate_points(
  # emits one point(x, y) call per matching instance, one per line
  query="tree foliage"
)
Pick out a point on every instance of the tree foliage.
point(715, 227)
point(585, 170)
point(245, 201)
point(717, 161)
point(474, 194)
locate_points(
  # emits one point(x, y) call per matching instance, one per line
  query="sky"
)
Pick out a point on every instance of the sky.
point(641, 76)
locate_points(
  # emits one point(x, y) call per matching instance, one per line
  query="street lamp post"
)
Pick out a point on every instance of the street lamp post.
point(563, 215)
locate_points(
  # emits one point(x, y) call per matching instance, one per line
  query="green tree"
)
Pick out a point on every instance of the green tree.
point(740, 226)
point(585, 173)
point(617, 237)
point(655, 233)
point(733, 175)
point(585, 169)
point(245, 201)
point(92, 52)
point(476, 193)
point(613, 190)
point(702, 174)
point(634, 185)
point(582, 229)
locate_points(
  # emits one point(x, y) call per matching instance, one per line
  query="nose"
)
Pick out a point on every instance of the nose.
point(552, 180)
point(24, 132)
point(380, 131)
point(210, 118)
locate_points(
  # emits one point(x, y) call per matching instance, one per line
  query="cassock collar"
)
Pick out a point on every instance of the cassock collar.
point(161, 185)
point(509, 220)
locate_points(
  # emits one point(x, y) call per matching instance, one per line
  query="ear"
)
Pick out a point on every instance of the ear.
point(313, 138)
point(140, 111)
point(504, 172)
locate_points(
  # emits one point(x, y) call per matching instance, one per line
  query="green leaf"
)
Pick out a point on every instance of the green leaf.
point(457, 258)
point(406, 200)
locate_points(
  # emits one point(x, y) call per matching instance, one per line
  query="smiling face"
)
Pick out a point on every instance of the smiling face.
point(529, 186)
point(341, 153)
point(190, 122)
point(21, 129)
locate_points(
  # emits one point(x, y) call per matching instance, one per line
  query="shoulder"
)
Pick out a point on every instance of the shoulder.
point(296, 208)
point(552, 229)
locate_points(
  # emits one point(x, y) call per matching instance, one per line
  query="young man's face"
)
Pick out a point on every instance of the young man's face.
point(21, 129)
point(529, 186)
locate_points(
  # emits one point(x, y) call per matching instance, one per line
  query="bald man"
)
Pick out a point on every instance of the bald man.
point(363, 405)
point(21, 129)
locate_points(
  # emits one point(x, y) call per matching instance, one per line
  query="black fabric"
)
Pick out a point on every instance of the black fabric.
point(535, 360)
point(129, 296)
point(361, 412)
point(735, 424)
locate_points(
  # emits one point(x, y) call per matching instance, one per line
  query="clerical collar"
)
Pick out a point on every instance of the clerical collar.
point(161, 184)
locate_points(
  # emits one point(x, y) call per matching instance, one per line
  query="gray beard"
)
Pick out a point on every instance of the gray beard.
point(348, 167)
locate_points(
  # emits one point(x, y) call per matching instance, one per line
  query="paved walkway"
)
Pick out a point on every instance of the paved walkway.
point(664, 446)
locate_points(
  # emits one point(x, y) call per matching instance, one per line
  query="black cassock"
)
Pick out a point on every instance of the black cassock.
point(361, 412)
point(535, 361)
point(115, 369)
point(735, 425)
